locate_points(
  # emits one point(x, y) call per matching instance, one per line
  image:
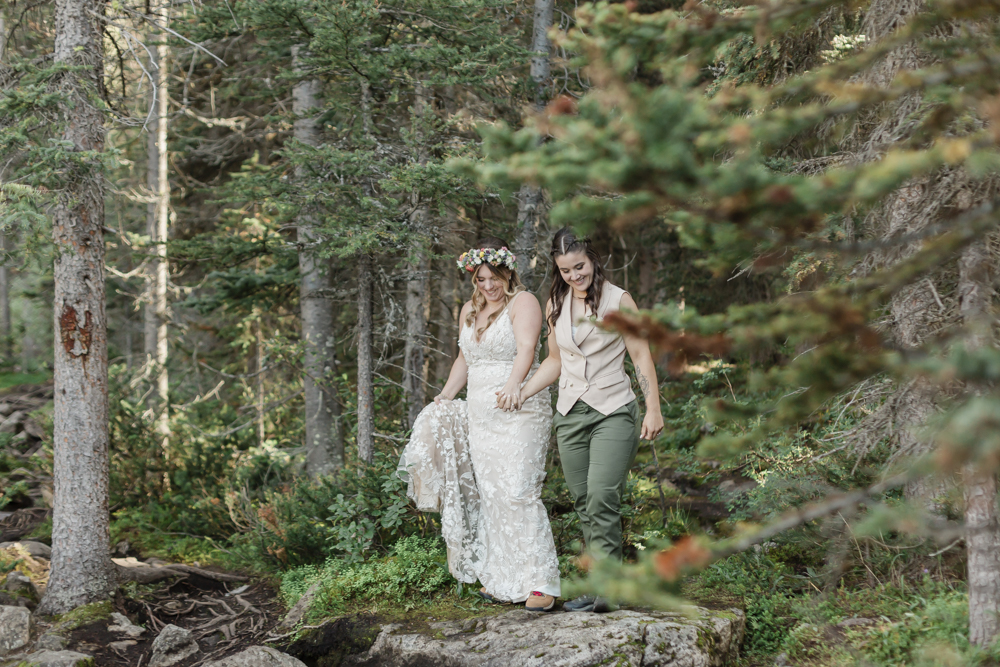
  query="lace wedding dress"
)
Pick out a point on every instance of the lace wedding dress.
point(482, 469)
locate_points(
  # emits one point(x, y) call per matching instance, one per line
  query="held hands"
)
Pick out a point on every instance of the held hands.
point(441, 397)
point(509, 398)
point(652, 425)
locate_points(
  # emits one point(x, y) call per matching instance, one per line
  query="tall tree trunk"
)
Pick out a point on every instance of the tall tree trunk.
point(158, 222)
point(6, 348)
point(416, 336)
point(418, 272)
point(530, 201)
point(5, 339)
point(448, 308)
point(366, 365)
point(324, 433)
point(82, 571)
point(366, 323)
point(907, 211)
point(981, 518)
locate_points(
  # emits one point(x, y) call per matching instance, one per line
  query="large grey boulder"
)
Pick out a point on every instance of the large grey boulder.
point(15, 628)
point(700, 638)
point(34, 549)
point(258, 656)
point(52, 641)
point(172, 645)
point(55, 659)
point(18, 582)
point(11, 423)
point(124, 626)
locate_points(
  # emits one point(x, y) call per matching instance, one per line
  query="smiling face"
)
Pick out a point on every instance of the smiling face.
point(491, 286)
point(577, 270)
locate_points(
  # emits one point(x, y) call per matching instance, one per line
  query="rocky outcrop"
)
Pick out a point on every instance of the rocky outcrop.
point(56, 659)
point(34, 549)
point(699, 638)
point(124, 626)
point(258, 656)
point(172, 645)
point(15, 629)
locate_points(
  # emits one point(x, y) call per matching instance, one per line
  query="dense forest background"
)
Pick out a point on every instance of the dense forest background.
point(801, 196)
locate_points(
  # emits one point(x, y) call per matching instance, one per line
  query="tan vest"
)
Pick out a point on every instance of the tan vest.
point(593, 365)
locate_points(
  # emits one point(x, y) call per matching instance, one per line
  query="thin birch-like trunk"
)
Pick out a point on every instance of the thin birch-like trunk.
point(5, 339)
point(418, 271)
point(6, 348)
point(530, 201)
point(448, 308)
point(158, 223)
point(82, 571)
point(982, 522)
point(366, 365)
point(366, 323)
point(324, 433)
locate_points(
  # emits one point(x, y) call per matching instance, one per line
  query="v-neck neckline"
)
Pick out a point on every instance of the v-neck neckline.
point(478, 340)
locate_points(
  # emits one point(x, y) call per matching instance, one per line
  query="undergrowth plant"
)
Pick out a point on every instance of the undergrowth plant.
point(411, 573)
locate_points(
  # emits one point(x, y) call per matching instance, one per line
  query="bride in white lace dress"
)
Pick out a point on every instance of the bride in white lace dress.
point(482, 467)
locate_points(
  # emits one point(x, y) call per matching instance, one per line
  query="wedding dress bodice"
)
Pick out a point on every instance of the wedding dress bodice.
point(497, 347)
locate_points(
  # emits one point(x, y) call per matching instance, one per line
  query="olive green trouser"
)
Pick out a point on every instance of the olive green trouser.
point(596, 452)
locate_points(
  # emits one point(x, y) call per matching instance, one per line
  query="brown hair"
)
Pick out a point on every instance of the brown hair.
point(563, 243)
point(513, 286)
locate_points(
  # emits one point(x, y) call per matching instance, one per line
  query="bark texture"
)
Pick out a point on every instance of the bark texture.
point(417, 283)
point(981, 519)
point(158, 224)
point(910, 209)
point(81, 566)
point(530, 200)
point(324, 434)
point(5, 340)
point(366, 366)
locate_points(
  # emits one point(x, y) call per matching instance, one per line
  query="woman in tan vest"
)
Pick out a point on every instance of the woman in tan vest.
point(597, 414)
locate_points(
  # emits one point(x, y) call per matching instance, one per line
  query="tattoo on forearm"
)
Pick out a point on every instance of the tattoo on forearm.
point(643, 384)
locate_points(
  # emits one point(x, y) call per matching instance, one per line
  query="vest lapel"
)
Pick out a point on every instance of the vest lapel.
point(564, 327)
point(587, 326)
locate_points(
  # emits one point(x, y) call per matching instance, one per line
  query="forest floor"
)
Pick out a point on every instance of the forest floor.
point(225, 617)
point(888, 600)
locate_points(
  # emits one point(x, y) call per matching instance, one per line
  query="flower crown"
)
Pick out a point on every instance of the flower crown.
point(471, 259)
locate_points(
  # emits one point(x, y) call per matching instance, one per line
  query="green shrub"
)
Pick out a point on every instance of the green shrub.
point(414, 569)
point(933, 626)
point(765, 585)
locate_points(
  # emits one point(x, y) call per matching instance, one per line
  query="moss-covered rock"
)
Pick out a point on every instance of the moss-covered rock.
point(522, 639)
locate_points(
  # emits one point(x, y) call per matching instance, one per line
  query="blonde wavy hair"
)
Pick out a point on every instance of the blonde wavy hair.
point(512, 287)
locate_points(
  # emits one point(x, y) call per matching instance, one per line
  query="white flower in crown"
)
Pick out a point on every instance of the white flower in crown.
point(474, 257)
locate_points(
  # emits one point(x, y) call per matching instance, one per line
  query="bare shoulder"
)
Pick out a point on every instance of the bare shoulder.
point(525, 305)
point(465, 310)
point(627, 302)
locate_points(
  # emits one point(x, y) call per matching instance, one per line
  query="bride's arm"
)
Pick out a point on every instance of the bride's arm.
point(459, 374)
point(457, 378)
point(526, 318)
point(549, 370)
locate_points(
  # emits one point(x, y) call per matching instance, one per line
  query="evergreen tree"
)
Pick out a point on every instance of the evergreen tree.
point(748, 167)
